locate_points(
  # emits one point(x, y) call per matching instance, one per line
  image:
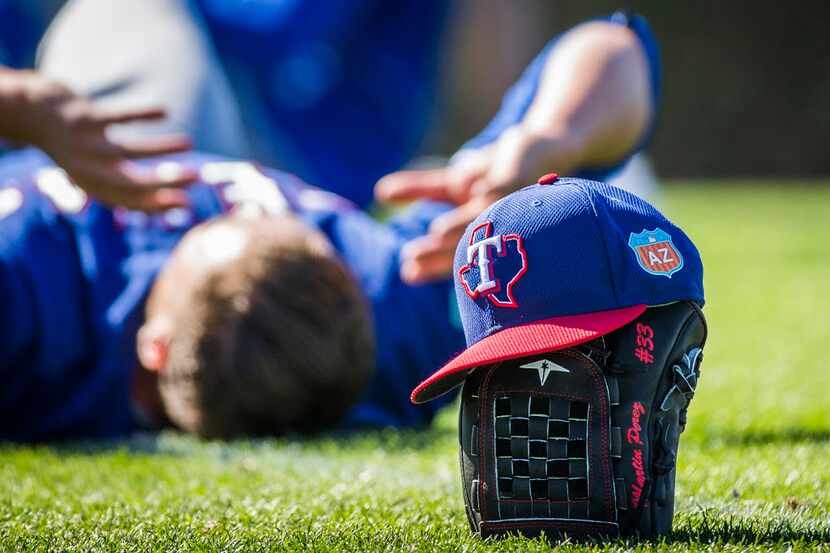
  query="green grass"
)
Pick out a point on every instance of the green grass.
point(754, 469)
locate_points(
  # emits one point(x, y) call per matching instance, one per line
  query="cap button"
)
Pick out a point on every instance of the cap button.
point(550, 178)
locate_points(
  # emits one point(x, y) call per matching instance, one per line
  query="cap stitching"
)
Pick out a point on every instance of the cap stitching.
point(589, 194)
point(488, 332)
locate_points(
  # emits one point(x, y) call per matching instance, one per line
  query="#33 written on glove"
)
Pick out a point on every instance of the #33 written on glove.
point(581, 306)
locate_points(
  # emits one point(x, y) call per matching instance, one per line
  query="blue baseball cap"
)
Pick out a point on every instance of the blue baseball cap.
point(559, 263)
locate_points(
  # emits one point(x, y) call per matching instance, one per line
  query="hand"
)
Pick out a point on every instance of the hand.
point(476, 180)
point(72, 131)
point(592, 121)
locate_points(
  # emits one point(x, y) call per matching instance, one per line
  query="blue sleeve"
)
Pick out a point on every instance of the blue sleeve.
point(518, 99)
point(42, 331)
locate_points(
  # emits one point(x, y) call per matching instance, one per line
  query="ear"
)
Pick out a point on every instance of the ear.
point(153, 344)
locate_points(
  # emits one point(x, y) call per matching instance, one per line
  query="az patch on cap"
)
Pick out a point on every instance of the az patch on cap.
point(655, 252)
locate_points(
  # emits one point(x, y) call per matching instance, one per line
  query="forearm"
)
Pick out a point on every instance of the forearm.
point(594, 96)
point(14, 106)
point(582, 107)
point(28, 105)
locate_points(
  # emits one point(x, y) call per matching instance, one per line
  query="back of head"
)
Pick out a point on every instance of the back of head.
point(277, 341)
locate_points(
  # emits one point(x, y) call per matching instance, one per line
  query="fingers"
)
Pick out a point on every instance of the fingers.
point(434, 184)
point(116, 185)
point(449, 184)
point(142, 199)
point(160, 200)
point(100, 146)
point(153, 147)
point(430, 257)
point(507, 164)
point(450, 226)
point(426, 259)
point(147, 200)
point(132, 178)
point(103, 118)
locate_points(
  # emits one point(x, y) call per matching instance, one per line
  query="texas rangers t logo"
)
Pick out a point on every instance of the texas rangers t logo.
point(494, 265)
point(655, 252)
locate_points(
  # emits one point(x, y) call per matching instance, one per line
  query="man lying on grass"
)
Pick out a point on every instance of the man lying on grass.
point(266, 306)
point(255, 304)
point(255, 310)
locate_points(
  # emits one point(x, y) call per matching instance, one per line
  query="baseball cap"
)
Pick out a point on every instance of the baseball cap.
point(559, 263)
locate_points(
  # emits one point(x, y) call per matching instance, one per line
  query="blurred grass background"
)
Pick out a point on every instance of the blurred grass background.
point(753, 470)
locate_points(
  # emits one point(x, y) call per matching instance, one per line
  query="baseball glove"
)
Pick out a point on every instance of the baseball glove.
point(583, 441)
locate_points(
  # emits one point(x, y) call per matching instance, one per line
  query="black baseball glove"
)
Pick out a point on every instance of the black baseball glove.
point(583, 441)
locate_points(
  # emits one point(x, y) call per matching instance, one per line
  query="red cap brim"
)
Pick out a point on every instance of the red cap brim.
point(520, 341)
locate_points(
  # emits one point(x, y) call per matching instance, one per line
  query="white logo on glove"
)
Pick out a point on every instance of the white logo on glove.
point(544, 367)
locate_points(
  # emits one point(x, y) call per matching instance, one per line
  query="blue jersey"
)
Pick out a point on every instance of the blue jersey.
point(74, 276)
point(338, 92)
point(342, 92)
point(22, 24)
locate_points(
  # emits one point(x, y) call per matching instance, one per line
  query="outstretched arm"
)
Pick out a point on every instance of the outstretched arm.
point(592, 107)
point(39, 112)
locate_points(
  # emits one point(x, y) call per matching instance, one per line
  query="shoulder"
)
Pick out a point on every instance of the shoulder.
point(34, 195)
